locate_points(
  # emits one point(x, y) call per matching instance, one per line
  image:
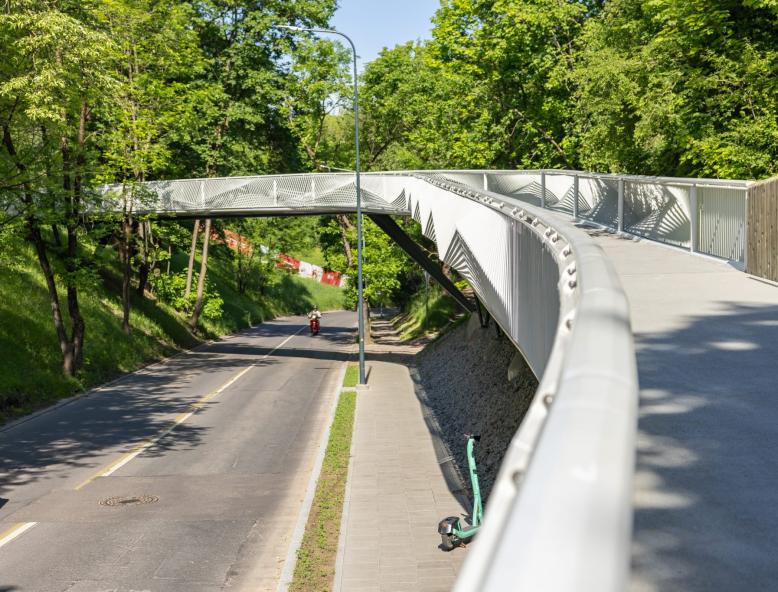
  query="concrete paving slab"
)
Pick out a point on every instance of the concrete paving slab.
point(396, 495)
point(706, 485)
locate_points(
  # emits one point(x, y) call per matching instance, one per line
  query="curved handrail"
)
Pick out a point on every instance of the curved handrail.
point(564, 488)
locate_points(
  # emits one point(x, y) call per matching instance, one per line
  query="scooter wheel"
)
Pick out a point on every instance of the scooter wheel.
point(448, 542)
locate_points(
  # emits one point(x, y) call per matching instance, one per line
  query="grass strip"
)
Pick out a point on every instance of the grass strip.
point(352, 376)
point(315, 569)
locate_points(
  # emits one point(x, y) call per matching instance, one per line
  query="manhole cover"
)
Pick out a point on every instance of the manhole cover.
point(133, 500)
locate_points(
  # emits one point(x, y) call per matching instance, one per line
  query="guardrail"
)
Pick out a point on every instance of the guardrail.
point(559, 515)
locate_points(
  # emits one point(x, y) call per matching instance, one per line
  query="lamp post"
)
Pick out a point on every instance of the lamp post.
point(360, 290)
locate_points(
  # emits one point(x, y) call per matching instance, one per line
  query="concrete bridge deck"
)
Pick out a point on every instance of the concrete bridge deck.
point(706, 486)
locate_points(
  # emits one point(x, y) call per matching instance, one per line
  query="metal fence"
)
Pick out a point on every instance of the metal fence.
point(703, 215)
point(556, 295)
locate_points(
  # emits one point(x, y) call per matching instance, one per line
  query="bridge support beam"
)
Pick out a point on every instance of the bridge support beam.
point(398, 235)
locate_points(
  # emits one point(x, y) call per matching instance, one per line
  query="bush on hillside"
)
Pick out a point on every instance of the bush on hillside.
point(171, 289)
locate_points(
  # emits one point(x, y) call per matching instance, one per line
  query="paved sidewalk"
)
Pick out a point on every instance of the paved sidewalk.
point(395, 496)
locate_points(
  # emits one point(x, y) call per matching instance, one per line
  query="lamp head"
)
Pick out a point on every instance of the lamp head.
point(289, 28)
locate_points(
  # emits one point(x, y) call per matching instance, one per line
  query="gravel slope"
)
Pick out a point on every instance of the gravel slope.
point(463, 379)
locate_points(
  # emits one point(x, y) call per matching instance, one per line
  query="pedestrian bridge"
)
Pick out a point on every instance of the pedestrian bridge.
point(576, 300)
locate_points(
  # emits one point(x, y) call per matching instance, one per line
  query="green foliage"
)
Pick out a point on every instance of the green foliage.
point(171, 289)
point(320, 85)
point(427, 312)
point(384, 263)
point(31, 359)
point(667, 87)
point(679, 88)
point(295, 294)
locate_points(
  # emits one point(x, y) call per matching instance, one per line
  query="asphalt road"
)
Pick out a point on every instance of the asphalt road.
point(222, 489)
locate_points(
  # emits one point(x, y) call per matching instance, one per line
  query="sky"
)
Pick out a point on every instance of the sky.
point(375, 24)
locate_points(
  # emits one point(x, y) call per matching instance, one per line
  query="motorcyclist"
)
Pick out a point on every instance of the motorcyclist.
point(314, 317)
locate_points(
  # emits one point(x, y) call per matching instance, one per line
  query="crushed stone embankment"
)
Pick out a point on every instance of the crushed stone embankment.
point(463, 380)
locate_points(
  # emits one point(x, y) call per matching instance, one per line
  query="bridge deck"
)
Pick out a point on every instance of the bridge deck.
point(706, 487)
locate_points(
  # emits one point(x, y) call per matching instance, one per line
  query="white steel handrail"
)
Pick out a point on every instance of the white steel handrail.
point(559, 515)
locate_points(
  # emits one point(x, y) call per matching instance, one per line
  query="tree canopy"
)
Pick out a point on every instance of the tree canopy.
point(670, 87)
point(125, 91)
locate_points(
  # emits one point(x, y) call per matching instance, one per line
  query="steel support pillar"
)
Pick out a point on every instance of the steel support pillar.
point(398, 235)
point(483, 314)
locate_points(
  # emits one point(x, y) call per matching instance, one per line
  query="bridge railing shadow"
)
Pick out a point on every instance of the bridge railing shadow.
point(707, 481)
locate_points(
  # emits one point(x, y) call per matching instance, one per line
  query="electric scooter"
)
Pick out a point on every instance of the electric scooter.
point(453, 531)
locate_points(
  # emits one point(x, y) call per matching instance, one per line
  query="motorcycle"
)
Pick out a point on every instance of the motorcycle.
point(314, 325)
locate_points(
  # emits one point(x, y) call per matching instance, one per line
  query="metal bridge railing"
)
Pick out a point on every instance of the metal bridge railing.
point(559, 515)
point(703, 215)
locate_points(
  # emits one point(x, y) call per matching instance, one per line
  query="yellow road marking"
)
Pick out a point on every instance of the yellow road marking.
point(15, 531)
point(18, 529)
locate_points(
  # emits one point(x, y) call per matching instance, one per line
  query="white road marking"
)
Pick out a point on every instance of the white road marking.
point(15, 531)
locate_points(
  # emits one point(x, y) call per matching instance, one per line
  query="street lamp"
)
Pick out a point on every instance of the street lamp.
point(360, 295)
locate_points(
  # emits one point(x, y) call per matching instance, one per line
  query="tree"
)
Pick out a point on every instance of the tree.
point(384, 263)
point(319, 86)
point(158, 58)
point(679, 88)
point(198, 305)
point(57, 73)
point(192, 253)
point(397, 91)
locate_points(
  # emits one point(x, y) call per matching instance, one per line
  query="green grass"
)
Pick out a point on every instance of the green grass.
point(352, 376)
point(30, 359)
point(313, 256)
point(425, 315)
point(297, 294)
point(315, 568)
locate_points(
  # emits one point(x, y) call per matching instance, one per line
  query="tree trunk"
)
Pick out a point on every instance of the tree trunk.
point(241, 282)
point(192, 252)
point(198, 305)
point(169, 257)
point(35, 236)
point(144, 268)
point(71, 263)
point(76, 320)
point(65, 345)
point(125, 251)
point(57, 237)
point(345, 228)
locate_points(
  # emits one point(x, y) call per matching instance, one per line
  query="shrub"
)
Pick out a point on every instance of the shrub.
point(171, 289)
